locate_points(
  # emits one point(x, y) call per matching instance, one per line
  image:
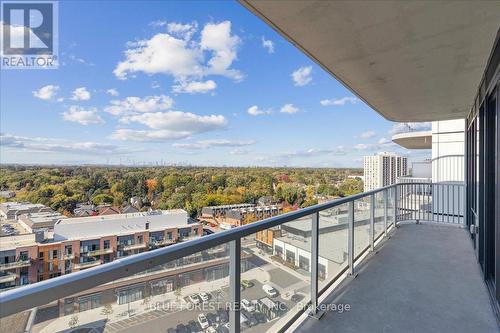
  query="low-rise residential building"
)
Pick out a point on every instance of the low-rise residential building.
point(84, 242)
point(13, 209)
point(35, 221)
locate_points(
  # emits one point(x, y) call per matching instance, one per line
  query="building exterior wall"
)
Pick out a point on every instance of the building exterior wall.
point(383, 169)
point(448, 150)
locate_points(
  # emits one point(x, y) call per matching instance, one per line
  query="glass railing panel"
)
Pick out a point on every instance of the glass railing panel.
point(185, 295)
point(333, 246)
point(379, 214)
point(391, 192)
point(362, 231)
point(275, 282)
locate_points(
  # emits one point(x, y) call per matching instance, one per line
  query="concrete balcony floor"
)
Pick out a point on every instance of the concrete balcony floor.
point(425, 278)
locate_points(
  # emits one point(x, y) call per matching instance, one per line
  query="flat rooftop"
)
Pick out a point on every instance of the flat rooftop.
point(125, 216)
point(425, 278)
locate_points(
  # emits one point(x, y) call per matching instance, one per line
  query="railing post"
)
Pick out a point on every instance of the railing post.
point(372, 222)
point(234, 284)
point(314, 267)
point(350, 237)
point(386, 211)
point(396, 206)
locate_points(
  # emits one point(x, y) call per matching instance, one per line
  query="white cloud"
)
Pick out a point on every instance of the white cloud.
point(339, 150)
point(180, 121)
point(204, 144)
point(147, 135)
point(302, 76)
point(112, 92)
point(363, 146)
point(217, 38)
point(186, 60)
point(80, 60)
point(367, 135)
point(47, 92)
point(38, 144)
point(194, 87)
point(169, 125)
point(405, 127)
point(268, 44)
point(289, 108)
point(255, 111)
point(239, 152)
point(83, 116)
point(383, 141)
point(184, 31)
point(81, 94)
point(132, 105)
point(339, 101)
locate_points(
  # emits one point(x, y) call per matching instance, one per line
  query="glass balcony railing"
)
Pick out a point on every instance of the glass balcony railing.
point(235, 279)
point(100, 252)
point(15, 264)
point(87, 264)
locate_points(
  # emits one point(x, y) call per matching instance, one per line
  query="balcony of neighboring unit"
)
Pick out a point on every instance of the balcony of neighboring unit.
point(162, 242)
point(130, 247)
point(68, 256)
point(15, 264)
point(6, 277)
point(100, 252)
point(87, 264)
point(414, 139)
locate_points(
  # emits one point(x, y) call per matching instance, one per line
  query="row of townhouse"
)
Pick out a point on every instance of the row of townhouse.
point(80, 243)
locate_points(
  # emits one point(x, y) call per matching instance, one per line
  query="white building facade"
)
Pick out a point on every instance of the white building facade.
point(383, 169)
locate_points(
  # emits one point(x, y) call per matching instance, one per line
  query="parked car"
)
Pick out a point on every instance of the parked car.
point(223, 315)
point(250, 317)
point(211, 329)
point(247, 305)
point(203, 321)
point(296, 298)
point(246, 283)
point(171, 330)
point(204, 297)
point(194, 299)
point(212, 318)
point(270, 290)
point(181, 328)
point(194, 326)
point(222, 329)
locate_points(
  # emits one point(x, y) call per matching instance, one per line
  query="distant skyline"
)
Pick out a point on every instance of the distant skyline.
point(183, 83)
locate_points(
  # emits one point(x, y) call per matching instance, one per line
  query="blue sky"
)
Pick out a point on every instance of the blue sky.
point(190, 83)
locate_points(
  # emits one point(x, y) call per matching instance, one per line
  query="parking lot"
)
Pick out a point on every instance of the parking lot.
point(184, 318)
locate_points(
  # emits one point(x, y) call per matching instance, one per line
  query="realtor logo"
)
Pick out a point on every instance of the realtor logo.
point(29, 35)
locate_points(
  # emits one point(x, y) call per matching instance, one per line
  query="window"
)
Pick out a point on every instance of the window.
point(54, 254)
point(107, 244)
point(40, 255)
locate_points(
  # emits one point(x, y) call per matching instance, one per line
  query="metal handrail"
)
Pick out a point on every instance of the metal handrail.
point(43, 292)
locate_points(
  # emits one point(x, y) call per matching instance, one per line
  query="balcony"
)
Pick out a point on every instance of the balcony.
point(399, 256)
point(99, 252)
point(130, 247)
point(7, 277)
point(163, 242)
point(87, 264)
point(68, 256)
point(15, 264)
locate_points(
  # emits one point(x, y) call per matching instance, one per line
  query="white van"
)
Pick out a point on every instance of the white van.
point(270, 290)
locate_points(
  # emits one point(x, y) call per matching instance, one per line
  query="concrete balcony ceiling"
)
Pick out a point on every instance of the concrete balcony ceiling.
point(414, 140)
point(409, 60)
